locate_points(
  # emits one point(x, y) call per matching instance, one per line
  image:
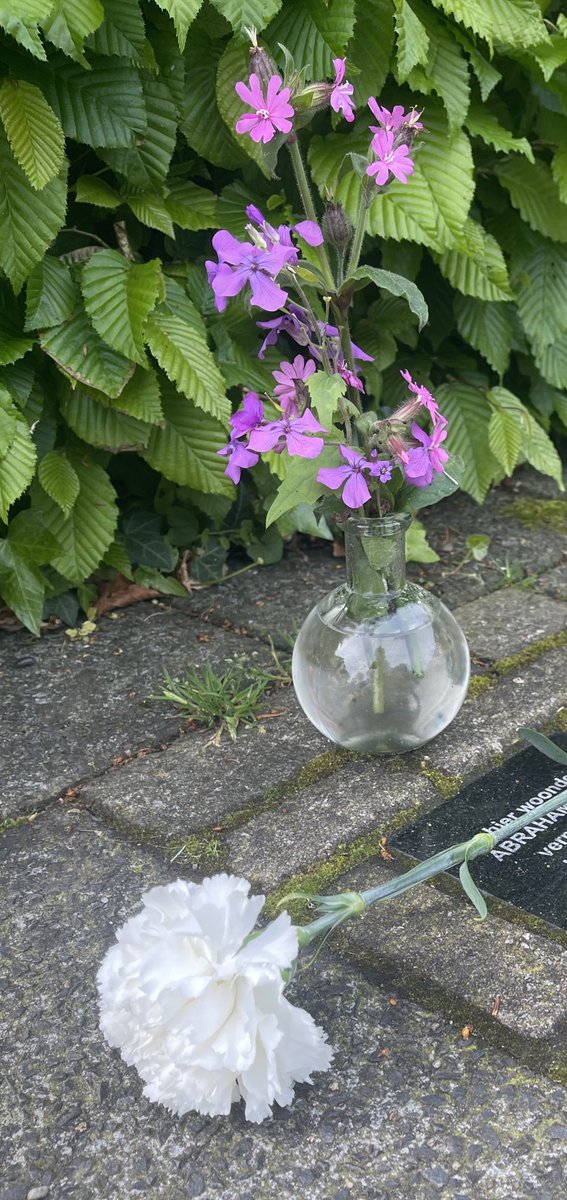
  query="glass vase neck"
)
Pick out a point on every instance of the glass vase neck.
point(376, 554)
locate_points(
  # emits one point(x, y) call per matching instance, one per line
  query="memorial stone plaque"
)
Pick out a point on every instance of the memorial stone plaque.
point(529, 869)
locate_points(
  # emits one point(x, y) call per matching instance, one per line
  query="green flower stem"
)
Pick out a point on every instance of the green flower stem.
point(309, 207)
point(481, 843)
point(359, 231)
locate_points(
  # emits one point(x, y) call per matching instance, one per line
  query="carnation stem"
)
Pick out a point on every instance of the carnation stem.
point(308, 205)
point(481, 843)
point(359, 231)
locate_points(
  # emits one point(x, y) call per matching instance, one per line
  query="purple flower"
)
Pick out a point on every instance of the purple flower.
point(291, 379)
point(290, 432)
point(241, 263)
point(421, 461)
point(342, 92)
point(349, 377)
point(381, 467)
point(390, 159)
point(239, 457)
point(423, 398)
point(308, 230)
point(355, 491)
point(271, 112)
point(250, 416)
point(395, 119)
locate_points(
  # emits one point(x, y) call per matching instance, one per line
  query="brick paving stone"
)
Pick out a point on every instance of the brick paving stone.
point(502, 624)
point(406, 1102)
point(554, 582)
point(71, 707)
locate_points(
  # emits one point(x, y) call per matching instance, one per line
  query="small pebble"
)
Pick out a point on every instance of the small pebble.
point(25, 660)
point(38, 1193)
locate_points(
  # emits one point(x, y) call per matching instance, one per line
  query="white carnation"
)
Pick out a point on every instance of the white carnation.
point(199, 1010)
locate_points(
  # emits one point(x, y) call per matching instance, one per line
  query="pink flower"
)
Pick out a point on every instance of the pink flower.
point(355, 491)
point(391, 159)
point(341, 93)
point(239, 457)
point(395, 119)
point(290, 432)
point(423, 398)
point(349, 377)
point(291, 379)
point(271, 112)
point(243, 262)
point(421, 461)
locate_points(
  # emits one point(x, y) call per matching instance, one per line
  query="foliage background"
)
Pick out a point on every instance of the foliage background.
point(118, 160)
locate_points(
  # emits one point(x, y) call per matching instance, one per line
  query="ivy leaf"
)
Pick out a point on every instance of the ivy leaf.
point(87, 531)
point(16, 468)
point(182, 352)
point(534, 192)
point(488, 327)
point(80, 353)
point(59, 479)
point(118, 296)
point(185, 449)
point(70, 22)
point(22, 586)
point(396, 285)
point(30, 220)
point(51, 294)
point(33, 131)
point(144, 542)
point(182, 13)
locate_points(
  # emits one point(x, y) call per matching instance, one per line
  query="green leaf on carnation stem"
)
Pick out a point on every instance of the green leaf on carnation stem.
point(469, 886)
point(59, 479)
point(326, 391)
point(70, 22)
point(87, 531)
point(397, 286)
point(417, 546)
point(182, 13)
point(488, 327)
point(30, 220)
point(301, 485)
point(51, 294)
point(119, 296)
point(80, 353)
point(314, 32)
point(22, 586)
point(16, 468)
point(33, 131)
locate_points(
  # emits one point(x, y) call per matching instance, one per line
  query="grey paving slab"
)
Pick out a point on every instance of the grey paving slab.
point(500, 625)
point(71, 707)
point(554, 582)
point(427, 940)
point(196, 783)
point(362, 797)
point(409, 1109)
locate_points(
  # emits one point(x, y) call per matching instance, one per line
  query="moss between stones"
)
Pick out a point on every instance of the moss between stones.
point(539, 514)
point(16, 822)
point(480, 684)
point(447, 785)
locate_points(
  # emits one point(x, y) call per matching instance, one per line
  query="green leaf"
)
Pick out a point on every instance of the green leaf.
point(8, 417)
point(483, 124)
point(140, 398)
point(300, 485)
point(417, 546)
point(234, 65)
point(238, 366)
point(325, 392)
point(30, 220)
point(543, 744)
point(123, 33)
point(88, 530)
point(485, 72)
point(371, 46)
point(90, 190)
point(314, 32)
point(100, 425)
point(411, 39)
point(551, 54)
point(471, 890)
point(201, 121)
point(505, 436)
point(59, 479)
point(182, 13)
point(117, 557)
point(445, 71)
point(514, 22)
point(552, 362)
point(168, 585)
point(51, 294)
point(559, 172)
point(151, 210)
point(144, 542)
point(22, 587)
point(411, 499)
point(488, 327)
point(541, 281)
point(537, 447)
point(16, 468)
point(396, 285)
point(12, 345)
point(101, 107)
point(468, 413)
point(20, 18)
point(184, 355)
point(477, 266)
point(534, 192)
point(80, 353)
point(119, 295)
point(70, 22)
point(248, 14)
point(29, 537)
point(33, 131)
point(191, 206)
point(145, 165)
point(186, 449)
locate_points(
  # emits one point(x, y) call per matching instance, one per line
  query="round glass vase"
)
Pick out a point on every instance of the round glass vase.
point(380, 665)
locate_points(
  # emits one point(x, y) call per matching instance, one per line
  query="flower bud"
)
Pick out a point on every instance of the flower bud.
point(337, 229)
point(262, 65)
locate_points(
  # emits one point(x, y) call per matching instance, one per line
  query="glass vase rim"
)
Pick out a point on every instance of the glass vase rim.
point(389, 525)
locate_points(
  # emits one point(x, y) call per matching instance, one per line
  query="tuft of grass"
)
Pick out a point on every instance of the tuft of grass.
point(229, 698)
